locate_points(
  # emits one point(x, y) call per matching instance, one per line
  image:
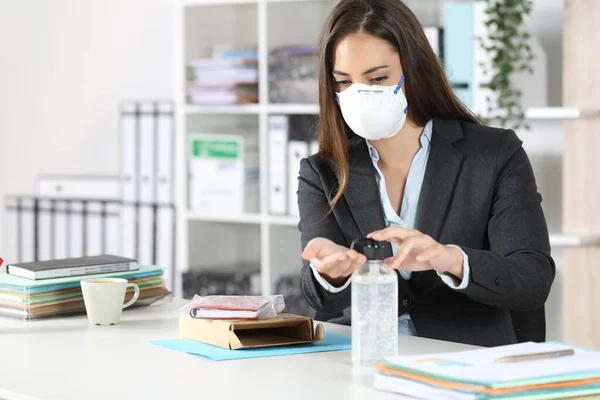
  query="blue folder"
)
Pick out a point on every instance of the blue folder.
point(331, 342)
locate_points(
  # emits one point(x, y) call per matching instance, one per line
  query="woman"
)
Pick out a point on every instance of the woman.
point(402, 160)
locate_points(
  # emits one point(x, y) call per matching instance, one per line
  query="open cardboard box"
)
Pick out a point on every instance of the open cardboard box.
point(284, 329)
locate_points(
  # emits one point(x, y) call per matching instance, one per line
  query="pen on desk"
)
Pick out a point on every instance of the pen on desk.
point(536, 356)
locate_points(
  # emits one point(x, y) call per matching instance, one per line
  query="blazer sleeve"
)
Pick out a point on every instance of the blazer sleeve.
point(517, 272)
point(317, 221)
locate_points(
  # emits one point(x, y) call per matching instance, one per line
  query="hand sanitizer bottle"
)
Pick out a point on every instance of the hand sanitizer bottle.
point(374, 307)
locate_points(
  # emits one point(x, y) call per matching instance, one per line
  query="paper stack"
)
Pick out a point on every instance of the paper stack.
point(33, 299)
point(480, 374)
point(224, 79)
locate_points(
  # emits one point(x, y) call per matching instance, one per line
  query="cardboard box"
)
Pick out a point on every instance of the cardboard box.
point(285, 329)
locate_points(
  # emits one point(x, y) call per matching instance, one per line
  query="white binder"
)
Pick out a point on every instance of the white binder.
point(78, 187)
point(45, 234)
point(165, 241)
point(435, 38)
point(11, 231)
point(129, 230)
point(314, 147)
point(147, 153)
point(277, 165)
point(75, 226)
point(129, 152)
point(60, 231)
point(27, 223)
point(94, 234)
point(112, 238)
point(165, 154)
point(297, 150)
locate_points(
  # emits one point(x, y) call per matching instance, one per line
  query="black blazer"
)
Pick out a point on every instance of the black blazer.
point(478, 193)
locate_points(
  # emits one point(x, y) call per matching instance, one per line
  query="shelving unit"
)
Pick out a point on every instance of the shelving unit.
point(273, 242)
point(268, 24)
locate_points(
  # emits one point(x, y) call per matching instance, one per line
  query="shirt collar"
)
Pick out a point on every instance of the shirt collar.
point(425, 141)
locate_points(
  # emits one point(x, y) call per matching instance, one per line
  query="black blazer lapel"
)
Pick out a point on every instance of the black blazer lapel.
point(442, 171)
point(362, 193)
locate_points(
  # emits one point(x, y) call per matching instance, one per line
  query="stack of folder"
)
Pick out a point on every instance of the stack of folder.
point(34, 299)
point(523, 371)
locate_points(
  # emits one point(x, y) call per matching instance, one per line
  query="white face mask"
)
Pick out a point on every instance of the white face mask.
point(374, 112)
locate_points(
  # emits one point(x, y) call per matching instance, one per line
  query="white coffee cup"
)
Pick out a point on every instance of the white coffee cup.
point(104, 298)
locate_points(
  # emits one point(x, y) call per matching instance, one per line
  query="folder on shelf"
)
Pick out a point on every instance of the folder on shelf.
point(165, 154)
point(459, 43)
point(435, 36)
point(297, 150)
point(78, 187)
point(44, 229)
point(277, 165)
point(11, 230)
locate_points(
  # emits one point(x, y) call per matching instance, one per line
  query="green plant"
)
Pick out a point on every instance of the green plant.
point(508, 48)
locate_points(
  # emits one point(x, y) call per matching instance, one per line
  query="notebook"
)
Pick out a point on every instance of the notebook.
point(72, 267)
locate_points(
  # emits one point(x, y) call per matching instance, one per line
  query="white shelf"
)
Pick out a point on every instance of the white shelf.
point(224, 109)
point(560, 113)
point(233, 219)
point(555, 113)
point(560, 240)
point(283, 220)
point(293, 108)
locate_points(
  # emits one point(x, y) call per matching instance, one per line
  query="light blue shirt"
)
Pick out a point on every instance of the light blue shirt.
point(407, 218)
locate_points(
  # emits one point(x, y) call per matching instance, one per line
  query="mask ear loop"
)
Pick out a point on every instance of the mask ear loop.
point(399, 85)
point(398, 89)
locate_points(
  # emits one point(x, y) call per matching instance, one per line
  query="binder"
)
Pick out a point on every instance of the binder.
point(297, 150)
point(165, 241)
point(45, 236)
point(435, 36)
point(78, 187)
point(60, 231)
point(165, 161)
point(11, 231)
point(27, 229)
point(314, 147)
point(76, 226)
point(459, 42)
point(147, 153)
point(112, 230)
point(277, 151)
point(129, 152)
point(95, 228)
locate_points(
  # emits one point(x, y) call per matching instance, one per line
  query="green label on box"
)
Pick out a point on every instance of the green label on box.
point(215, 148)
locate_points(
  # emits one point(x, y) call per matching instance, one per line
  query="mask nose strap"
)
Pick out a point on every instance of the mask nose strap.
point(399, 85)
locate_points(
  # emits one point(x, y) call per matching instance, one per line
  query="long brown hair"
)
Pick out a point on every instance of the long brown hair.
point(427, 89)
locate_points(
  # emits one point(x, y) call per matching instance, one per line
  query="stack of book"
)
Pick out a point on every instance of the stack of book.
point(549, 370)
point(52, 292)
point(224, 79)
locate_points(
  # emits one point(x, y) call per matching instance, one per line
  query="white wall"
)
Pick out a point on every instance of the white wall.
point(67, 64)
point(65, 67)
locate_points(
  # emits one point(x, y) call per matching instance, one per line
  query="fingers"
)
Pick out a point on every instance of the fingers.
point(339, 264)
point(394, 234)
point(315, 247)
point(412, 243)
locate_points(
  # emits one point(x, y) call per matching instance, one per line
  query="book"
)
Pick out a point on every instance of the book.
point(484, 373)
point(72, 267)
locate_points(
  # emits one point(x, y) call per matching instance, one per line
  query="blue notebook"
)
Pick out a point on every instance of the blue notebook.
point(331, 342)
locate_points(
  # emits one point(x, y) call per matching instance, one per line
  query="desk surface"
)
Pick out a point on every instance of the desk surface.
point(70, 359)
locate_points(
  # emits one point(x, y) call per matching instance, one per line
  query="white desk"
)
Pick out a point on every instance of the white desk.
point(69, 359)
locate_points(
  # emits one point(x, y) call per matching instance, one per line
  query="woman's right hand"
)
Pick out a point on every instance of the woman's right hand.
point(335, 263)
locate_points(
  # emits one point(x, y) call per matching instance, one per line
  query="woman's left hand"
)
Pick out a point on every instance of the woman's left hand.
point(420, 252)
